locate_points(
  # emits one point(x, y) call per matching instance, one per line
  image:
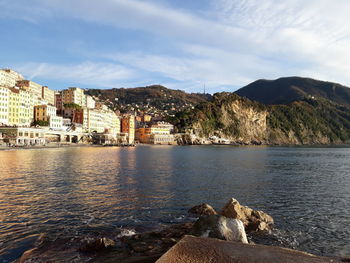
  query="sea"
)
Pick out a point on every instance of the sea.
point(81, 191)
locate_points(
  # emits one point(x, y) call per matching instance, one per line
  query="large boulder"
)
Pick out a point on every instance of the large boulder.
point(202, 210)
point(220, 227)
point(253, 220)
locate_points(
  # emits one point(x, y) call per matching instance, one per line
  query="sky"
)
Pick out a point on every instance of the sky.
point(221, 45)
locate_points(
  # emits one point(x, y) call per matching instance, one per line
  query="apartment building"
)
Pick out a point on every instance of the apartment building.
point(48, 95)
point(128, 127)
point(32, 87)
point(4, 106)
point(9, 78)
point(47, 113)
point(73, 95)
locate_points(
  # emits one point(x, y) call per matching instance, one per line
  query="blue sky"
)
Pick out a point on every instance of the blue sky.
point(222, 44)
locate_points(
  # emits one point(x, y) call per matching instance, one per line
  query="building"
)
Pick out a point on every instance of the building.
point(4, 106)
point(89, 102)
point(128, 127)
point(73, 95)
point(45, 115)
point(159, 133)
point(48, 95)
point(58, 103)
point(9, 78)
point(23, 136)
point(30, 86)
point(20, 107)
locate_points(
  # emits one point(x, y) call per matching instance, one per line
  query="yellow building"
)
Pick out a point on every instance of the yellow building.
point(4, 106)
point(48, 95)
point(47, 113)
point(9, 78)
point(159, 133)
point(34, 88)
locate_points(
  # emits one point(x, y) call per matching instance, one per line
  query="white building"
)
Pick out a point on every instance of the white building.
point(4, 106)
point(9, 77)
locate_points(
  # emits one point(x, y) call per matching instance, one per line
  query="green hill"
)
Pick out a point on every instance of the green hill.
point(154, 99)
point(287, 90)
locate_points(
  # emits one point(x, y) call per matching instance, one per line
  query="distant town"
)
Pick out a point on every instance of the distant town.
point(32, 114)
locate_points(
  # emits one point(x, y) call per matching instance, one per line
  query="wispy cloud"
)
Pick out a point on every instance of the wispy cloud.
point(234, 43)
point(89, 73)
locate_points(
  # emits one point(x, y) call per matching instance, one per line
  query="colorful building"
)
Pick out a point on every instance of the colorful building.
point(159, 133)
point(128, 127)
point(9, 78)
point(4, 106)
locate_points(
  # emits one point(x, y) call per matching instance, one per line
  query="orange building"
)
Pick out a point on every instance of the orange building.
point(128, 126)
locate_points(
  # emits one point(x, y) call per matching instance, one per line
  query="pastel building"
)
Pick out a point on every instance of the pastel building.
point(47, 113)
point(128, 127)
point(9, 78)
point(4, 106)
point(73, 95)
point(48, 95)
point(32, 87)
point(159, 133)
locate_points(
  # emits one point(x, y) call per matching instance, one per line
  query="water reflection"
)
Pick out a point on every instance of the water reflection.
point(73, 191)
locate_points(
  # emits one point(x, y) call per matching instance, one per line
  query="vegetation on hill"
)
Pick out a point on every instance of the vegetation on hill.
point(155, 100)
point(307, 121)
point(287, 90)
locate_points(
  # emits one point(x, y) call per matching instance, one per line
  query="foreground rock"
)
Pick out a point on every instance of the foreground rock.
point(97, 245)
point(202, 210)
point(253, 220)
point(204, 250)
point(220, 227)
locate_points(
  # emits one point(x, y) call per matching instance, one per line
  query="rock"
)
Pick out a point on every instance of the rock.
point(208, 250)
point(253, 220)
point(220, 227)
point(202, 210)
point(97, 245)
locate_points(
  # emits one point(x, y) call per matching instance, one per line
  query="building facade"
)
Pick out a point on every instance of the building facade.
point(4, 106)
point(9, 78)
point(48, 95)
point(128, 127)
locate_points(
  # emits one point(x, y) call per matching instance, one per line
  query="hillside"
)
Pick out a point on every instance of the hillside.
point(287, 90)
point(308, 121)
point(154, 99)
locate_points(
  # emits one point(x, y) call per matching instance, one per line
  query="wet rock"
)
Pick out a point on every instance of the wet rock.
point(97, 245)
point(253, 220)
point(202, 210)
point(220, 227)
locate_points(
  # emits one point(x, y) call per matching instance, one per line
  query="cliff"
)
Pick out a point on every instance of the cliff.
point(242, 121)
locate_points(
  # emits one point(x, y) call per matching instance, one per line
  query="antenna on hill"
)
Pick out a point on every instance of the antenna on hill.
point(204, 88)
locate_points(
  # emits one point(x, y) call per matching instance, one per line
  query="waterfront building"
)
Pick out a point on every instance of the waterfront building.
point(20, 107)
point(30, 86)
point(46, 114)
point(9, 78)
point(48, 95)
point(128, 127)
point(158, 133)
point(23, 136)
point(4, 106)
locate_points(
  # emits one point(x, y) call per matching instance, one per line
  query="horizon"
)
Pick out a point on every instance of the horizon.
point(222, 45)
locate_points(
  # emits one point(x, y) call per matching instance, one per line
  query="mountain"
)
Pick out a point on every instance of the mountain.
point(287, 90)
point(307, 121)
point(155, 99)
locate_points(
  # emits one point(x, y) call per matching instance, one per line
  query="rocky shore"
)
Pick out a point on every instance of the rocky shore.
point(224, 236)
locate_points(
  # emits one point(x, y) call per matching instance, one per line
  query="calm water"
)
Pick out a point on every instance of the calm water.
point(76, 191)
